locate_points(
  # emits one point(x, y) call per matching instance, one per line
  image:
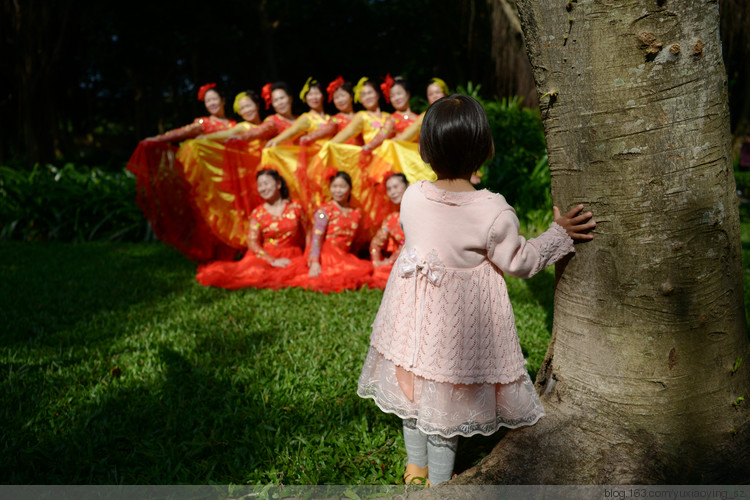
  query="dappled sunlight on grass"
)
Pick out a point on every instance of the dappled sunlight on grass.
point(119, 368)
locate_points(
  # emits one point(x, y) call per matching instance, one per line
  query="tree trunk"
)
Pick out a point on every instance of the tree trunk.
point(512, 71)
point(36, 34)
point(735, 38)
point(644, 381)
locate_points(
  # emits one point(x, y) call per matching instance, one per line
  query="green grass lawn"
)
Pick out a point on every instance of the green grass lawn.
point(117, 367)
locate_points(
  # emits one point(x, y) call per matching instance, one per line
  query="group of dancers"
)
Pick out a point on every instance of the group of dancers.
point(304, 197)
point(301, 193)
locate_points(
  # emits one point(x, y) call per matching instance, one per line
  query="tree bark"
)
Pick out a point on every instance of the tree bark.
point(643, 382)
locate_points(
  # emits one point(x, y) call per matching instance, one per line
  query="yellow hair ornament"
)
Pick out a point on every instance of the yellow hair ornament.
point(306, 88)
point(358, 88)
point(440, 83)
point(237, 100)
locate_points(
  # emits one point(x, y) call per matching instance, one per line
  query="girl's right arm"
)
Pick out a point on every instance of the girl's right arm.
point(522, 258)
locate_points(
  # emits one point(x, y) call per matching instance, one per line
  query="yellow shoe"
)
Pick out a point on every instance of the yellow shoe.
point(416, 475)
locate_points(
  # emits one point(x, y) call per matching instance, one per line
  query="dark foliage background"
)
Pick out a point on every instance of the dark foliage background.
point(84, 80)
point(88, 79)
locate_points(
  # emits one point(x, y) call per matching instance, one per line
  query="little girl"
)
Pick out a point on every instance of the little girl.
point(444, 353)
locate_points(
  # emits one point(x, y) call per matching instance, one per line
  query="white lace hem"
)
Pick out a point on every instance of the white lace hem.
point(450, 409)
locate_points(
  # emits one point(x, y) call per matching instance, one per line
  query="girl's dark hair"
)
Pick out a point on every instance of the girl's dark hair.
point(456, 138)
point(343, 175)
point(400, 80)
point(283, 86)
point(398, 175)
point(284, 191)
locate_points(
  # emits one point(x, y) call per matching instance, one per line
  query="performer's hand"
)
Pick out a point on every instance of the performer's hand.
point(365, 157)
point(314, 270)
point(281, 262)
point(305, 141)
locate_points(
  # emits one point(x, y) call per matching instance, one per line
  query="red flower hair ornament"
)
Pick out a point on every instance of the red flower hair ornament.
point(385, 87)
point(205, 88)
point(334, 86)
point(265, 93)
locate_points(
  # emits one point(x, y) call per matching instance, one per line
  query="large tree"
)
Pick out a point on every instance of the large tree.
point(648, 368)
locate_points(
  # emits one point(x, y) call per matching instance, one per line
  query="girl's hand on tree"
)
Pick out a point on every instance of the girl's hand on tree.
point(574, 224)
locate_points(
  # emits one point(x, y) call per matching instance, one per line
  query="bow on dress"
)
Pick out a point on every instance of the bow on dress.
point(432, 270)
point(431, 267)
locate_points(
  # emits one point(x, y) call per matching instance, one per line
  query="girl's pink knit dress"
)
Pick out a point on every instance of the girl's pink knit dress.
point(444, 348)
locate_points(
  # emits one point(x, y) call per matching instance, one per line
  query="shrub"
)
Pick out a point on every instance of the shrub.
point(72, 203)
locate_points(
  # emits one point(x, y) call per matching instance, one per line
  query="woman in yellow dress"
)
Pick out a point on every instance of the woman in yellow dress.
point(283, 154)
point(398, 94)
point(223, 177)
point(164, 191)
point(314, 95)
point(366, 123)
point(437, 89)
point(311, 173)
point(345, 157)
point(395, 148)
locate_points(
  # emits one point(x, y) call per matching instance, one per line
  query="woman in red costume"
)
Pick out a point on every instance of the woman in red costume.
point(278, 96)
point(342, 95)
point(437, 89)
point(247, 105)
point(282, 153)
point(313, 94)
point(390, 237)
point(336, 154)
point(397, 93)
point(224, 191)
point(400, 153)
point(276, 237)
point(331, 266)
point(365, 123)
point(166, 197)
point(216, 121)
point(309, 172)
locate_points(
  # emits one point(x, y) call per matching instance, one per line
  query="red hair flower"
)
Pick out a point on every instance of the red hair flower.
point(265, 93)
point(334, 86)
point(385, 87)
point(205, 88)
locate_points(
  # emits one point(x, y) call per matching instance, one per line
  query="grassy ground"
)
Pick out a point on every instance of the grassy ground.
point(117, 367)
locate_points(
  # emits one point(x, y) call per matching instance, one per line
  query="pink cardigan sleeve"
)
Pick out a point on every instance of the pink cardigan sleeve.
point(522, 258)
